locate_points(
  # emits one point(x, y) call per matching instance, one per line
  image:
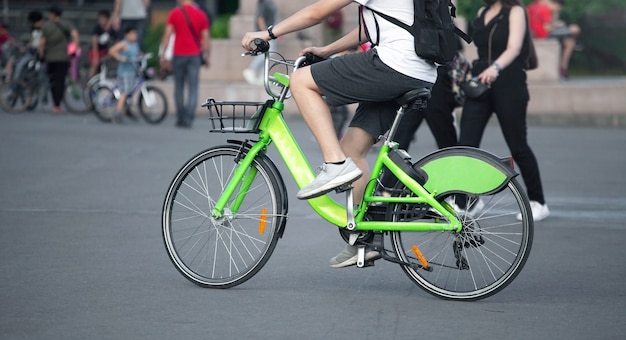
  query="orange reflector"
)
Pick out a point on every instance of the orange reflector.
point(420, 256)
point(262, 221)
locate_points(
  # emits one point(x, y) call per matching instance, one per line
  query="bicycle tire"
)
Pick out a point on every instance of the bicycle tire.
point(104, 103)
point(75, 97)
point(92, 86)
point(222, 253)
point(153, 110)
point(33, 104)
point(477, 262)
point(16, 96)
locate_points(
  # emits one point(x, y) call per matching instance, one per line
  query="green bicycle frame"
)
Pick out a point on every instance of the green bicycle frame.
point(274, 129)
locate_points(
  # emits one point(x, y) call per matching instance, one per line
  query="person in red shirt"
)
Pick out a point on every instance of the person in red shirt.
point(191, 48)
point(540, 18)
point(543, 16)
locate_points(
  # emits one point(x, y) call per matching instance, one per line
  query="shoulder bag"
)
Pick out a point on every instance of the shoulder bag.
point(474, 88)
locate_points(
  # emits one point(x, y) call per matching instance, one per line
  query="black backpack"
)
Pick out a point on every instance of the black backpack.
point(433, 30)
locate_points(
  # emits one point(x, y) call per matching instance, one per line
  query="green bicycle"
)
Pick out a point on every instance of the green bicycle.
point(458, 222)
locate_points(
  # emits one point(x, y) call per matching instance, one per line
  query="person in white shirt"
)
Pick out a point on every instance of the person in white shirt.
point(131, 13)
point(373, 79)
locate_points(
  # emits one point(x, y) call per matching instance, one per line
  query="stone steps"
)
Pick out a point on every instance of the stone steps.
point(600, 101)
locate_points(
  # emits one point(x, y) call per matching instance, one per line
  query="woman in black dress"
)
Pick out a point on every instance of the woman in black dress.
point(500, 32)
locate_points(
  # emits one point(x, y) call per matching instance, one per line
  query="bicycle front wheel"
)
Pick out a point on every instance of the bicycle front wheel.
point(225, 252)
point(76, 98)
point(480, 260)
point(104, 102)
point(16, 96)
point(152, 104)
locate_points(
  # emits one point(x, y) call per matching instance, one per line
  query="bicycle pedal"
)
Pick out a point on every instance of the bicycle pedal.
point(343, 188)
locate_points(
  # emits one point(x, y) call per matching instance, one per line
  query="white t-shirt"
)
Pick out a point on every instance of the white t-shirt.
point(395, 45)
point(133, 9)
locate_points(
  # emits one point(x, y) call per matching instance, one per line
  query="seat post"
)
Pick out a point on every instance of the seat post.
point(415, 98)
point(396, 123)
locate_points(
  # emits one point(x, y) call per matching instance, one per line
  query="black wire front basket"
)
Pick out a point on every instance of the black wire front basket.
point(235, 117)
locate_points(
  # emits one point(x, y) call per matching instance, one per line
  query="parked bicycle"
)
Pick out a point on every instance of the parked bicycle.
point(450, 222)
point(151, 101)
point(29, 87)
point(106, 76)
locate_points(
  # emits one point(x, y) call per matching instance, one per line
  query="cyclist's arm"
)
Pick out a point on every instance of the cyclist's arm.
point(347, 42)
point(304, 18)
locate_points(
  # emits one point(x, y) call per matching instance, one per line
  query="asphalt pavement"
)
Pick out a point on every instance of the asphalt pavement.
point(82, 257)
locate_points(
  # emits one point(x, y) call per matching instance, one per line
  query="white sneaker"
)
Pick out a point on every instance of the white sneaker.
point(330, 177)
point(348, 257)
point(250, 76)
point(540, 211)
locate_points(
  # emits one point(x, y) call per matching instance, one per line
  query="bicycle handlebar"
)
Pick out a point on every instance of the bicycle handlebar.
point(311, 59)
point(258, 46)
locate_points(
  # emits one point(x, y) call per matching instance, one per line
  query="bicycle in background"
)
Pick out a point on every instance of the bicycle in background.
point(29, 86)
point(150, 100)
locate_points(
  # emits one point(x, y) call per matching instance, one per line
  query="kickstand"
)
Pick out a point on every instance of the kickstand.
point(360, 256)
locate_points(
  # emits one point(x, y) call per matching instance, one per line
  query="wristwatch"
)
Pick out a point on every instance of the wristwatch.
point(269, 31)
point(497, 67)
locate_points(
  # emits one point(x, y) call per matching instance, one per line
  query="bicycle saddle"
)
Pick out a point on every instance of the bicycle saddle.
point(416, 98)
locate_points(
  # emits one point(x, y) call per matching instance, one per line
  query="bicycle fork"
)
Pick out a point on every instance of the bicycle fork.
point(242, 178)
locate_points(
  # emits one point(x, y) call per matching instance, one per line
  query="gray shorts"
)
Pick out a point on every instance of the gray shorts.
point(126, 82)
point(363, 78)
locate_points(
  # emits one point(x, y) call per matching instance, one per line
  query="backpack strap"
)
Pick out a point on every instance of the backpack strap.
point(408, 28)
point(462, 35)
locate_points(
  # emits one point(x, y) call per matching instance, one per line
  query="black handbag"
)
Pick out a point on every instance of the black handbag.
point(474, 88)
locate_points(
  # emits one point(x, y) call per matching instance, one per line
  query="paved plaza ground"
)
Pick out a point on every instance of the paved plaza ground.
point(81, 253)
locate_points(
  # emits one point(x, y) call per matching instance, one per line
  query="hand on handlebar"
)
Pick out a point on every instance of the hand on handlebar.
point(317, 51)
point(248, 39)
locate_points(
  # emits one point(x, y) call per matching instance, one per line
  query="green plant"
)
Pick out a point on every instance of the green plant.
point(151, 43)
point(219, 28)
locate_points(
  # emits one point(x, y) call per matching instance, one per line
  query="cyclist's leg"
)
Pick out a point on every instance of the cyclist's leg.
point(316, 114)
point(356, 143)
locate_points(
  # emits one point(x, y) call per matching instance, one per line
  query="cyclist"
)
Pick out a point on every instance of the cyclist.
point(373, 79)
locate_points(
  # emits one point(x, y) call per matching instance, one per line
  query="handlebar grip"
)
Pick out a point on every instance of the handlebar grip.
point(311, 59)
point(260, 45)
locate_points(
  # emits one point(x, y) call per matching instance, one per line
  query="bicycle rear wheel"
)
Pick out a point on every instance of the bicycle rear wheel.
point(104, 103)
point(16, 96)
point(477, 262)
point(226, 252)
point(152, 106)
